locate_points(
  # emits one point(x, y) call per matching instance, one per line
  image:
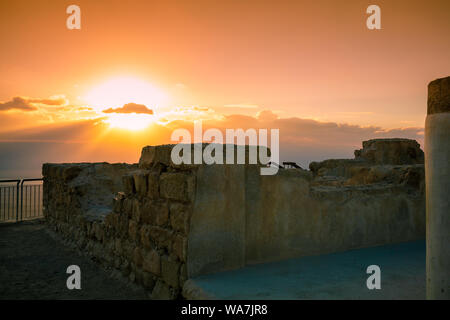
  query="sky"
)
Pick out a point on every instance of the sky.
point(137, 70)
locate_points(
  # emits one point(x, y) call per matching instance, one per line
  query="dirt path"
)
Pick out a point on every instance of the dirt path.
point(33, 266)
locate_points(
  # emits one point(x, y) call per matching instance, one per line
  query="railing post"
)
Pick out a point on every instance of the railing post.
point(21, 199)
point(17, 201)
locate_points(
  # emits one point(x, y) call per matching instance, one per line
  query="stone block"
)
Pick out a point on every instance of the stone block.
point(391, 151)
point(148, 280)
point(155, 212)
point(179, 217)
point(161, 213)
point(118, 247)
point(183, 274)
point(170, 271)
point(161, 237)
point(140, 182)
point(112, 220)
point(136, 210)
point(162, 291)
point(145, 237)
point(70, 173)
point(123, 225)
point(128, 204)
point(153, 185)
point(133, 230)
point(179, 247)
point(137, 257)
point(439, 96)
point(128, 184)
point(151, 262)
point(128, 250)
point(176, 186)
point(153, 155)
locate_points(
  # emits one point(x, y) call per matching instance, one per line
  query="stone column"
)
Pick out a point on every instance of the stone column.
point(437, 175)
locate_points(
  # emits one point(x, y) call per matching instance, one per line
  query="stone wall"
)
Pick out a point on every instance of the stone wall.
point(126, 217)
point(160, 223)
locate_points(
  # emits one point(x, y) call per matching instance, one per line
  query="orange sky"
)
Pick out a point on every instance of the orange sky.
point(297, 59)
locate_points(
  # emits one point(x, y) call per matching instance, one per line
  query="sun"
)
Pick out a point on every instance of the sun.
point(133, 122)
point(119, 91)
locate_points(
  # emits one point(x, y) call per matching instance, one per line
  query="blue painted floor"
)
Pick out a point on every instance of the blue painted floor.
point(333, 276)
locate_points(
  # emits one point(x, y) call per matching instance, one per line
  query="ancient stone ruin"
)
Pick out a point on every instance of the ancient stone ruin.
point(159, 224)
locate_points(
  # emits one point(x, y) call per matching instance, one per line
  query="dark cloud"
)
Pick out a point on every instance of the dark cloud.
point(17, 103)
point(130, 108)
point(28, 104)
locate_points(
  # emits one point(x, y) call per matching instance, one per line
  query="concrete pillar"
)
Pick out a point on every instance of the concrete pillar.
point(437, 175)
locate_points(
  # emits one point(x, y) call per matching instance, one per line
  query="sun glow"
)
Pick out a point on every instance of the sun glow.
point(131, 121)
point(117, 92)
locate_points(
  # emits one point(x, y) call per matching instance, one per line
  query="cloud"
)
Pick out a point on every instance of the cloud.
point(17, 103)
point(130, 108)
point(59, 100)
point(30, 104)
point(266, 115)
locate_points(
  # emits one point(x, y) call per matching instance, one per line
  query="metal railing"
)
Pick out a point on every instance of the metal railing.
point(20, 201)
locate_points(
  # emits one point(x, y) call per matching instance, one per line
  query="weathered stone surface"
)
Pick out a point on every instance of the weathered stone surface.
point(118, 202)
point(161, 291)
point(140, 182)
point(391, 151)
point(148, 280)
point(71, 172)
point(145, 237)
point(152, 155)
point(118, 247)
point(160, 236)
point(374, 152)
point(180, 217)
point(155, 212)
point(176, 186)
point(128, 250)
point(151, 262)
point(439, 96)
point(137, 257)
point(333, 167)
point(160, 212)
point(128, 204)
point(170, 271)
point(183, 274)
point(123, 225)
point(411, 175)
point(133, 230)
point(136, 210)
point(128, 184)
point(99, 231)
point(179, 247)
point(153, 185)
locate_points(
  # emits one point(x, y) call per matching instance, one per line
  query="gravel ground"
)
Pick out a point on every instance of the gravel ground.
point(33, 266)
